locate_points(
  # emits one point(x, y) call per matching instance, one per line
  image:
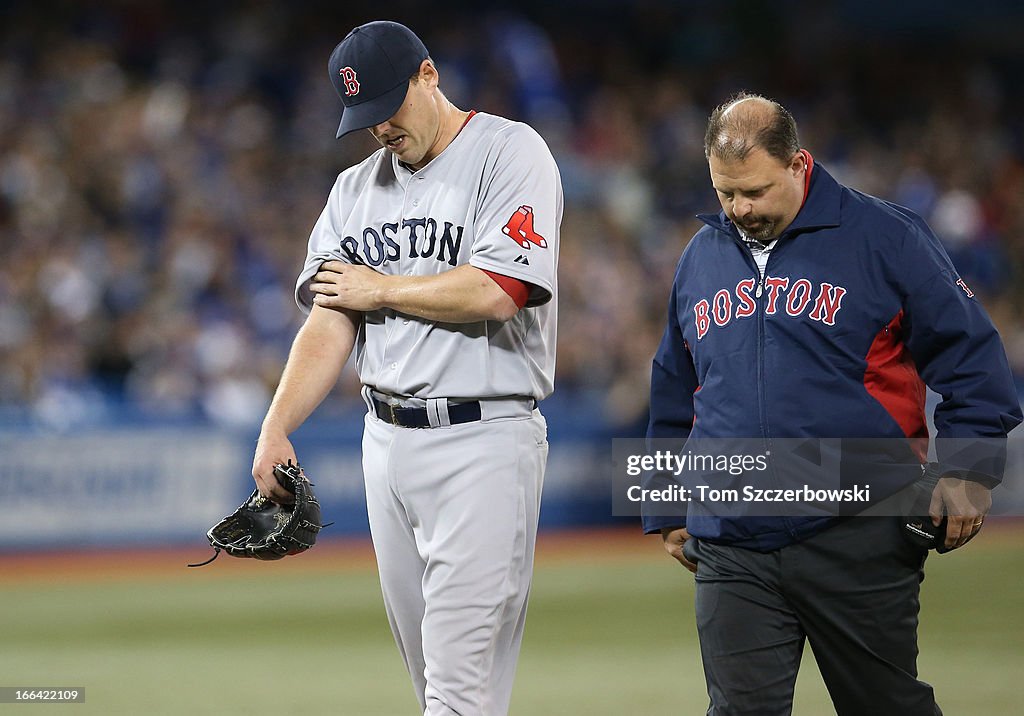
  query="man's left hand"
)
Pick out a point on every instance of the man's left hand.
point(674, 539)
point(965, 503)
point(341, 285)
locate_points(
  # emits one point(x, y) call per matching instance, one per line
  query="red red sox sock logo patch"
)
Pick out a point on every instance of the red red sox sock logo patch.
point(348, 76)
point(520, 229)
point(821, 303)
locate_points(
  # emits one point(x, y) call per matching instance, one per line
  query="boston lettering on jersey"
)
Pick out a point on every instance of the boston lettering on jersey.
point(422, 238)
point(795, 297)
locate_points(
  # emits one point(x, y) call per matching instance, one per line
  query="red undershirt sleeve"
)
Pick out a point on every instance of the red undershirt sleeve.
point(517, 290)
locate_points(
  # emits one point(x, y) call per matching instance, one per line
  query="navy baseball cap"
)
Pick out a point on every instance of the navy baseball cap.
point(370, 70)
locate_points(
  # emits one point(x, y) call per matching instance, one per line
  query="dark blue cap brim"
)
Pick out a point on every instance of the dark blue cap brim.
point(372, 112)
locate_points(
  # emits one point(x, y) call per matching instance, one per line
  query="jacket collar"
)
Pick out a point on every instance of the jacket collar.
point(821, 209)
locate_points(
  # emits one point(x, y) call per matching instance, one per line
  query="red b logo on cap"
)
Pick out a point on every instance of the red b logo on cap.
point(348, 76)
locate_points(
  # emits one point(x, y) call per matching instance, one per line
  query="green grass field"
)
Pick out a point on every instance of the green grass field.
point(608, 635)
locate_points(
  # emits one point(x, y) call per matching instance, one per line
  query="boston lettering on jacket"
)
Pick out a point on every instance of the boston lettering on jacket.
point(794, 296)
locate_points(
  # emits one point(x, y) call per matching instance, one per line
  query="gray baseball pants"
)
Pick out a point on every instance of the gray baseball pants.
point(453, 515)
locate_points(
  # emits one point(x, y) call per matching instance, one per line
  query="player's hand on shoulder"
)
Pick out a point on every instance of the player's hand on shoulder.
point(272, 449)
point(352, 286)
point(334, 267)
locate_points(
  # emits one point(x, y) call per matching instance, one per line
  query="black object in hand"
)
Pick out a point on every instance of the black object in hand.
point(921, 531)
point(918, 527)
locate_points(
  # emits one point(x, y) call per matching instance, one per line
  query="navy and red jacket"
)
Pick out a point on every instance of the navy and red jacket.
point(859, 308)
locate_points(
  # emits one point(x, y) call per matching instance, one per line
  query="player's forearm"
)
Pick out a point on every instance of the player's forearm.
point(463, 295)
point(317, 356)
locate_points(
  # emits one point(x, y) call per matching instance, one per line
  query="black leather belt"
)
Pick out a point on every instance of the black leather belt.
point(458, 413)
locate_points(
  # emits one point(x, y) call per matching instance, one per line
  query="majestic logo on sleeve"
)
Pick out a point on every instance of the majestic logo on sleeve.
point(821, 303)
point(348, 76)
point(520, 229)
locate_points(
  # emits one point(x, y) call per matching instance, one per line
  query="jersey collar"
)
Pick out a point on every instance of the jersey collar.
point(404, 172)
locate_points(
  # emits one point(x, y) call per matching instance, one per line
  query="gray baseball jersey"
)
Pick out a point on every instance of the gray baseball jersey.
point(492, 199)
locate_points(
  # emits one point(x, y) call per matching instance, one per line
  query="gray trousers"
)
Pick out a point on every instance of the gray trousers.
point(453, 515)
point(852, 591)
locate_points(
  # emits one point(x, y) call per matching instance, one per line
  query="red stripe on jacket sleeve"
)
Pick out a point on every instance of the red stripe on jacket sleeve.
point(891, 378)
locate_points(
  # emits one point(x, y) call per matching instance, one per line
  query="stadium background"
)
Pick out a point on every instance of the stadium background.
point(161, 165)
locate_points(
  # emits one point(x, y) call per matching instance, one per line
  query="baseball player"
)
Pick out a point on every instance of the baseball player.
point(435, 259)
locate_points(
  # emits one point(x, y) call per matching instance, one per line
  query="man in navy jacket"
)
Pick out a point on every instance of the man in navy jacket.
point(808, 310)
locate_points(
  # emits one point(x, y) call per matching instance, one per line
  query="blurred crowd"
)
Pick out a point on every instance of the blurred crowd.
point(161, 166)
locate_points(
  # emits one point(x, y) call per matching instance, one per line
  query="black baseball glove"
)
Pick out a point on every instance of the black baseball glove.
point(262, 529)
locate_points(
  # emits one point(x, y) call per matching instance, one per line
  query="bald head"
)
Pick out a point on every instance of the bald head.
point(749, 121)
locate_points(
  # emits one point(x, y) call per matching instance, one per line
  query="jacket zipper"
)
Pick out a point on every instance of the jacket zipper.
point(759, 277)
point(762, 306)
point(762, 301)
point(762, 318)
